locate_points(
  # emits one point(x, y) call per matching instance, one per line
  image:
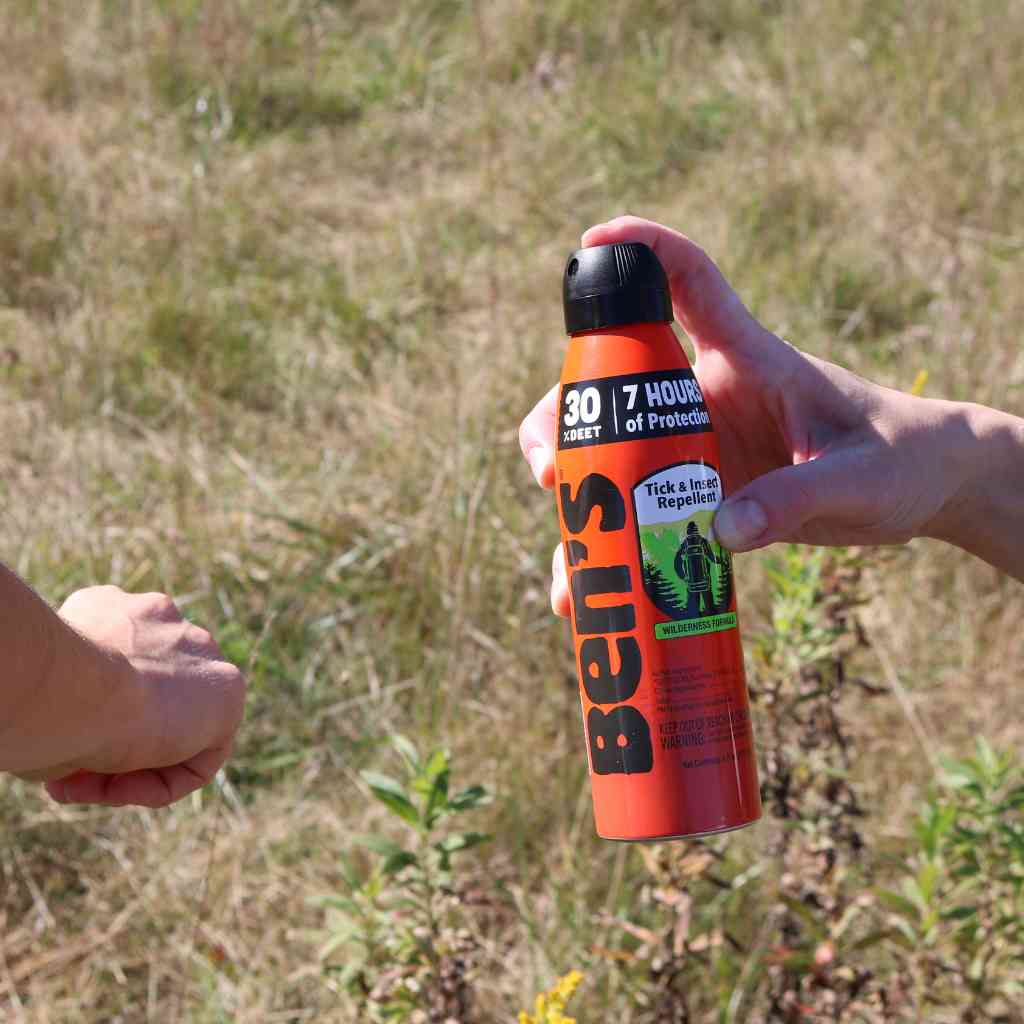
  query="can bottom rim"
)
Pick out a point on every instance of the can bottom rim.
point(668, 837)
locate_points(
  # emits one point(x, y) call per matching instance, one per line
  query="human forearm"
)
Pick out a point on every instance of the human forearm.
point(985, 512)
point(57, 689)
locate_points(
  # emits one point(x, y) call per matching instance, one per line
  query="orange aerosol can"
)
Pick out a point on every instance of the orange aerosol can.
point(654, 622)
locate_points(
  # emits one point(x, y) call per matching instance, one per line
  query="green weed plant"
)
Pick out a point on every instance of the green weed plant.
point(394, 933)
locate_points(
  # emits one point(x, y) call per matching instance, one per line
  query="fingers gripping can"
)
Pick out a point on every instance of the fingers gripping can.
point(665, 708)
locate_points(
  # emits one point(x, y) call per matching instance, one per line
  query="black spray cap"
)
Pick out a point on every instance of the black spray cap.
point(612, 285)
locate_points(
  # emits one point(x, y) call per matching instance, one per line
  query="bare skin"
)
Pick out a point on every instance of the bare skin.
point(114, 700)
point(812, 453)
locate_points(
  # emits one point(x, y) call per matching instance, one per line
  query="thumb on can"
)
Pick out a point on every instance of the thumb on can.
point(778, 505)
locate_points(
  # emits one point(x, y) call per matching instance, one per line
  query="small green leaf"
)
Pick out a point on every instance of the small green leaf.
point(398, 861)
point(898, 904)
point(385, 847)
point(413, 903)
point(927, 877)
point(908, 934)
point(439, 762)
point(436, 767)
point(872, 939)
point(970, 835)
point(977, 966)
point(467, 799)
point(913, 893)
point(391, 793)
point(337, 903)
point(987, 757)
point(348, 873)
point(958, 913)
point(462, 841)
point(437, 800)
point(385, 783)
point(407, 749)
point(1013, 800)
point(934, 823)
point(960, 774)
point(348, 975)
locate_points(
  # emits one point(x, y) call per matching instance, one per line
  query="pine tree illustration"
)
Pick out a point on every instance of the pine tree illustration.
point(723, 592)
point(661, 591)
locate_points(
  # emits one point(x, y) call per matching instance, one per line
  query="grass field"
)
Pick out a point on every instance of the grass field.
point(278, 281)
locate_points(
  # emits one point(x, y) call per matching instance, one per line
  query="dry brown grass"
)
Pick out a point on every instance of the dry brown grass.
point(277, 282)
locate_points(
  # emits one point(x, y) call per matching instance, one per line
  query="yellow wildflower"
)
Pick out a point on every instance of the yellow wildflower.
point(549, 1005)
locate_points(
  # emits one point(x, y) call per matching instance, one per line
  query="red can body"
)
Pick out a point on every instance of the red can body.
point(655, 629)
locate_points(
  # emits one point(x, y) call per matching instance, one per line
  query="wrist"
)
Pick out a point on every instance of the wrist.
point(94, 696)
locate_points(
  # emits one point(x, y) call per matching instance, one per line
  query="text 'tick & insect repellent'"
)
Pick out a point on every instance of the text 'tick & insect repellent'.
point(657, 642)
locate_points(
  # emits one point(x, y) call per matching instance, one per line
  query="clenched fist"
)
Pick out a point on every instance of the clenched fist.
point(136, 705)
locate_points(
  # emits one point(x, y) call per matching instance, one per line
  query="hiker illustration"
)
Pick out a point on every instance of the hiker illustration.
point(693, 567)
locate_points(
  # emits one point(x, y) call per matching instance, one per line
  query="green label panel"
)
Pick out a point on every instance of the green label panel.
point(693, 627)
point(687, 574)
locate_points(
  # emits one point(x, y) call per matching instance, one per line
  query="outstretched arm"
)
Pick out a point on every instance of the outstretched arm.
point(812, 453)
point(116, 699)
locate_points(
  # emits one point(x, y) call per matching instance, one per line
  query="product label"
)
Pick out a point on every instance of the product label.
point(686, 572)
point(631, 407)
